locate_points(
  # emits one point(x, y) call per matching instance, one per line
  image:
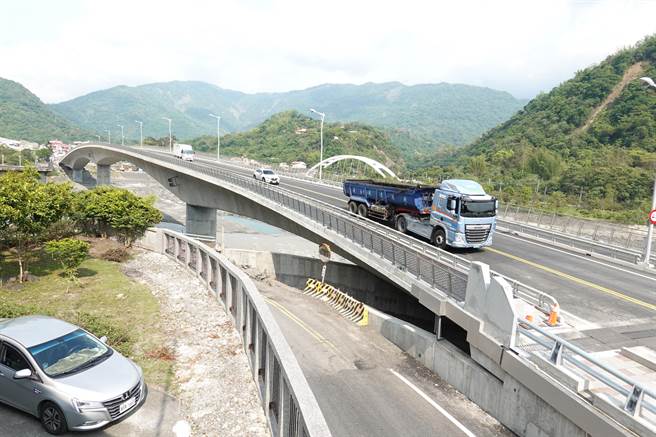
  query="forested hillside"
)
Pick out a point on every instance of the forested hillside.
point(290, 136)
point(24, 117)
point(418, 118)
point(588, 143)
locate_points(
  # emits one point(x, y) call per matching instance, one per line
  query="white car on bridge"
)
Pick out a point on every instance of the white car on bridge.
point(266, 175)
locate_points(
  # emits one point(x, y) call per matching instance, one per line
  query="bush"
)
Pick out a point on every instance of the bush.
point(118, 254)
point(70, 253)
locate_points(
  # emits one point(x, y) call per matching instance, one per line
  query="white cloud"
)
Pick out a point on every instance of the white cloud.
point(63, 49)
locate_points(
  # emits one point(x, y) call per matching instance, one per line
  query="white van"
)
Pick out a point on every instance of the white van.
point(183, 151)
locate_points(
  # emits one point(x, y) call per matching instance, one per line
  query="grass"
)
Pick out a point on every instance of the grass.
point(105, 302)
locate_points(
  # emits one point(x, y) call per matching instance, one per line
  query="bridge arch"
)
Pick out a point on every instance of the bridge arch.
point(377, 166)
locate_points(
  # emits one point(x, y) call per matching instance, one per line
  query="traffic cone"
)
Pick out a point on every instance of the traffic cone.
point(529, 318)
point(554, 315)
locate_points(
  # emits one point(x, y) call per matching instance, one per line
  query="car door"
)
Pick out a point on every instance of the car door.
point(21, 393)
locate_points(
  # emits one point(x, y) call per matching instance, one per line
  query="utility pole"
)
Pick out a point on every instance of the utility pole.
point(122, 137)
point(218, 136)
point(322, 115)
point(170, 137)
point(140, 132)
point(650, 226)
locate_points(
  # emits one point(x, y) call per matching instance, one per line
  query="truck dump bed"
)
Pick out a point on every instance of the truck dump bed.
point(415, 199)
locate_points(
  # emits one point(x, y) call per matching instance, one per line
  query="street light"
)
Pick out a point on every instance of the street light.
point(109, 136)
point(140, 132)
point(218, 136)
point(170, 138)
point(650, 227)
point(322, 115)
point(122, 137)
point(97, 136)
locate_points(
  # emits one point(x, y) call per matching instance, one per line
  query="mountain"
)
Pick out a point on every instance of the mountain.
point(418, 118)
point(24, 117)
point(591, 142)
point(290, 136)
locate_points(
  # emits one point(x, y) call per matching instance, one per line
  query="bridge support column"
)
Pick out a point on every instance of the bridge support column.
point(78, 175)
point(200, 222)
point(103, 175)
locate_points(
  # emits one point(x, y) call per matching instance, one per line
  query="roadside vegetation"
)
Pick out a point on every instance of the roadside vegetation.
point(60, 255)
point(588, 147)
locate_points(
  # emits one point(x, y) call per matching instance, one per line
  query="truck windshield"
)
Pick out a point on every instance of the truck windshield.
point(478, 209)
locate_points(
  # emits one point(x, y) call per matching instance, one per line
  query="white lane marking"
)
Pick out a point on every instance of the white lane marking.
point(434, 404)
point(343, 199)
point(576, 255)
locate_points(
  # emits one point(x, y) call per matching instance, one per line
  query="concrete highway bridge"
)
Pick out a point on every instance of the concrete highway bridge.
point(566, 380)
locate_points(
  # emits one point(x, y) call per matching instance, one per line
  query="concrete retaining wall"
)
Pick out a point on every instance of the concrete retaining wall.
point(510, 402)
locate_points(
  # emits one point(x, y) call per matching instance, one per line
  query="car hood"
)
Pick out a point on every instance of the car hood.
point(102, 382)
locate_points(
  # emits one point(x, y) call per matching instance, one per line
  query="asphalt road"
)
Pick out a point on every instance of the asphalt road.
point(599, 294)
point(364, 384)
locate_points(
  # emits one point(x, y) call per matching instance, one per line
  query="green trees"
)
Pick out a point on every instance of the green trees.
point(108, 211)
point(27, 210)
point(70, 253)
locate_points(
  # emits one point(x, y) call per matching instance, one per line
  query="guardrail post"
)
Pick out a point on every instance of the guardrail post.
point(628, 239)
point(634, 401)
point(556, 355)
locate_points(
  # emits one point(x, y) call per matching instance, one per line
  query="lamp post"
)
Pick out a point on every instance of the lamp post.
point(218, 136)
point(97, 136)
point(140, 123)
point(650, 227)
point(170, 138)
point(322, 115)
point(109, 136)
point(122, 137)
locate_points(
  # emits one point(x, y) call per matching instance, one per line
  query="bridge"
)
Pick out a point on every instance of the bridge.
point(452, 288)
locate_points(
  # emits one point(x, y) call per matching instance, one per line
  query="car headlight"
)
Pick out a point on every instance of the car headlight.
point(87, 406)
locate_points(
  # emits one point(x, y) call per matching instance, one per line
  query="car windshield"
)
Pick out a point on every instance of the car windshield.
point(478, 209)
point(267, 171)
point(69, 354)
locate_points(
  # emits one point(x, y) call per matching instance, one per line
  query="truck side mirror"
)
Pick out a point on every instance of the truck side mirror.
point(496, 205)
point(451, 204)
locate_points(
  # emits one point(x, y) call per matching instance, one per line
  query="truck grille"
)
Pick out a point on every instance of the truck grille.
point(477, 233)
point(113, 405)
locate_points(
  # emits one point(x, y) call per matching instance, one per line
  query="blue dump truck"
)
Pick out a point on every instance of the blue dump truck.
point(457, 213)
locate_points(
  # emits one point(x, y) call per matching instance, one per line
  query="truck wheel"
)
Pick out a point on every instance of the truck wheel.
point(362, 209)
point(353, 207)
point(439, 238)
point(401, 224)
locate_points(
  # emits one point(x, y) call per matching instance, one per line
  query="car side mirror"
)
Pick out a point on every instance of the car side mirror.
point(103, 339)
point(23, 374)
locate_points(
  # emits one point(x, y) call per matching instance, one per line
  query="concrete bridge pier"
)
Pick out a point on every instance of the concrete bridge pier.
point(200, 222)
point(103, 175)
point(78, 175)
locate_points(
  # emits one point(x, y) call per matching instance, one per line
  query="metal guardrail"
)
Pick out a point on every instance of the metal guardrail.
point(440, 269)
point(621, 242)
point(589, 246)
point(560, 350)
point(289, 405)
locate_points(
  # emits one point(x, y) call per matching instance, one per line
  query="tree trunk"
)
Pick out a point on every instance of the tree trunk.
point(20, 269)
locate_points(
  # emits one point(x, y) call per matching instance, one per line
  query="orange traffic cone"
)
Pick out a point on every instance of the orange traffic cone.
point(554, 315)
point(529, 318)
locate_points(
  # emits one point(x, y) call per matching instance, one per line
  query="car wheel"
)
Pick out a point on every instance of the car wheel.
point(53, 419)
point(401, 224)
point(353, 207)
point(362, 210)
point(439, 238)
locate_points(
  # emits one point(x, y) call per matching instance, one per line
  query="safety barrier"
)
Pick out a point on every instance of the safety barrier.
point(594, 236)
point(638, 400)
point(289, 404)
point(345, 305)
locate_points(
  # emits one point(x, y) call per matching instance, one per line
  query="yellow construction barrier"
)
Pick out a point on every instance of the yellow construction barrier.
point(345, 305)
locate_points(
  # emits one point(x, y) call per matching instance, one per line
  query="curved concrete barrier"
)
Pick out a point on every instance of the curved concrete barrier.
point(289, 404)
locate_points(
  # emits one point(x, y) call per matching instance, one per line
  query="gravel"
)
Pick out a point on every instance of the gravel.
point(212, 374)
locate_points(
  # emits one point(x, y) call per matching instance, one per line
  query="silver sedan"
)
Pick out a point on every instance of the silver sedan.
point(65, 376)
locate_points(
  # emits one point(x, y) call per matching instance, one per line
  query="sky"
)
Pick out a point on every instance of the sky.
point(66, 48)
